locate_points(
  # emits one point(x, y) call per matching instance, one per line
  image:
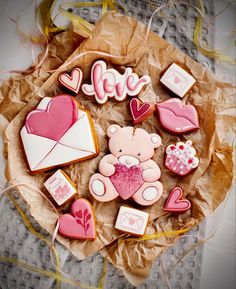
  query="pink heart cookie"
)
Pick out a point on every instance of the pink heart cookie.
point(80, 224)
point(52, 123)
point(73, 81)
point(140, 110)
point(127, 180)
point(175, 203)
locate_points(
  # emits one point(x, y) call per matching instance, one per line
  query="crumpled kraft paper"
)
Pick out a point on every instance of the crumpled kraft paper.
point(206, 187)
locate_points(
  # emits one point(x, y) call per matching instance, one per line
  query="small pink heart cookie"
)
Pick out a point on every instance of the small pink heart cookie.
point(175, 202)
point(140, 110)
point(72, 81)
point(128, 171)
point(80, 224)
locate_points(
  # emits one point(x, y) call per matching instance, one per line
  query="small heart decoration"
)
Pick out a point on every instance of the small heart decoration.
point(72, 81)
point(175, 203)
point(80, 224)
point(140, 110)
point(127, 180)
point(131, 221)
point(177, 80)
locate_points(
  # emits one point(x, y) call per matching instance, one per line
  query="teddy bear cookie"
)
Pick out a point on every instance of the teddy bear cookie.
point(181, 158)
point(58, 132)
point(128, 171)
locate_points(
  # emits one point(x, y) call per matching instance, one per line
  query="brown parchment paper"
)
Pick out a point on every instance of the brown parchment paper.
point(206, 187)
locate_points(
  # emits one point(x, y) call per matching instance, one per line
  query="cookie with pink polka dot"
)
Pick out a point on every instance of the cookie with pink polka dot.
point(181, 158)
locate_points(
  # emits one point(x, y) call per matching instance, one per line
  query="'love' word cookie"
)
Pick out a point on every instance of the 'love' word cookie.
point(177, 80)
point(80, 224)
point(60, 187)
point(176, 117)
point(128, 171)
point(108, 82)
point(57, 133)
point(132, 221)
point(181, 158)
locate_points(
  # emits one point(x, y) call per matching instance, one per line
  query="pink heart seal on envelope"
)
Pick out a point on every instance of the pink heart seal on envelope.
point(175, 203)
point(52, 123)
point(80, 224)
point(127, 180)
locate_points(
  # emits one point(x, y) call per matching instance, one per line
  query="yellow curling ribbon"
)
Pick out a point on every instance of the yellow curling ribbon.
point(205, 50)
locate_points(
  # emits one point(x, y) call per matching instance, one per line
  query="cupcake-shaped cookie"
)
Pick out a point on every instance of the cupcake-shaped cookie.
point(181, 158)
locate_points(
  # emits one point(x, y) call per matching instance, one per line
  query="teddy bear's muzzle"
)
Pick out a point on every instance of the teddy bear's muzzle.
point(129, 161)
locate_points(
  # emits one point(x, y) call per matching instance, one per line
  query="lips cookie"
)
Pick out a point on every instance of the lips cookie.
point(57, 133)
point(128, 171)
point(140, 110)
point(109, 83)
point(177, 80)
point(181, 158)
point(176, 117)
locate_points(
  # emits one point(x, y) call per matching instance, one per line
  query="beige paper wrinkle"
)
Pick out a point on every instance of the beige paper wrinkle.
point(206, 187)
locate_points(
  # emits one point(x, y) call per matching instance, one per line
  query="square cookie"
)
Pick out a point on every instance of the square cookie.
point(177, 80)
point(132, 221)
point(60, 187)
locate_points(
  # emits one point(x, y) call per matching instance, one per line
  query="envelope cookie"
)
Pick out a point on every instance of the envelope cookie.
point(57, 133)
point(177, 80)
point(128, 171)
point(132, 221)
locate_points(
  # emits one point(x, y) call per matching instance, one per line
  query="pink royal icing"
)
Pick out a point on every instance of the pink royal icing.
point(108, 82)
point(127, 180)
point(177, 117)
point(175, 202)
point(80, 223)
point(73, 81)
point(52, 123)
point(140, 110)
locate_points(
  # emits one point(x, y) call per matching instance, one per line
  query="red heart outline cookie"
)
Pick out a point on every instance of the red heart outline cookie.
point(72, 81)
point(140, 110)
point(175, 202)
point(80, 224)
point(176, 117)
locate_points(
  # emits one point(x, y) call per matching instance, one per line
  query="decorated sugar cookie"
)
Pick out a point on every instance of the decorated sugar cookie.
point(108, 82)
point(175, 201)
point(128, 171)
point(80, 224)
point(57, 133)
point(140, 110)
point(181, 158)
point(177, 80)
point(72, 81)
point(176, 117)
point(132, 221)
point(60, 187)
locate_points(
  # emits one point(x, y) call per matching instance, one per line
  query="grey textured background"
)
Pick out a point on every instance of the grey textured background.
point(17, 242)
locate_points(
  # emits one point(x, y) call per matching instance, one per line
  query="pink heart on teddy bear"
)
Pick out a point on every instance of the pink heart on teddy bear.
point(127, 180)
point(80, 224)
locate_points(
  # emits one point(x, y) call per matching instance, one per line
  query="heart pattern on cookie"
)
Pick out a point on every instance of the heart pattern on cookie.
point(80, 224)
point(72, 81)
point(140, 110)
point(175, 202)
point(52, 123)
point(127, 180)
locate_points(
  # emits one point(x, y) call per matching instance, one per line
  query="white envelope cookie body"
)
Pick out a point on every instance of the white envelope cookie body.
point(76, 144)
point(132, 221)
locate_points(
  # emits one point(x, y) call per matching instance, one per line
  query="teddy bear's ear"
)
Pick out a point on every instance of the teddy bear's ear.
point(155, 139)
point(112, 129)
